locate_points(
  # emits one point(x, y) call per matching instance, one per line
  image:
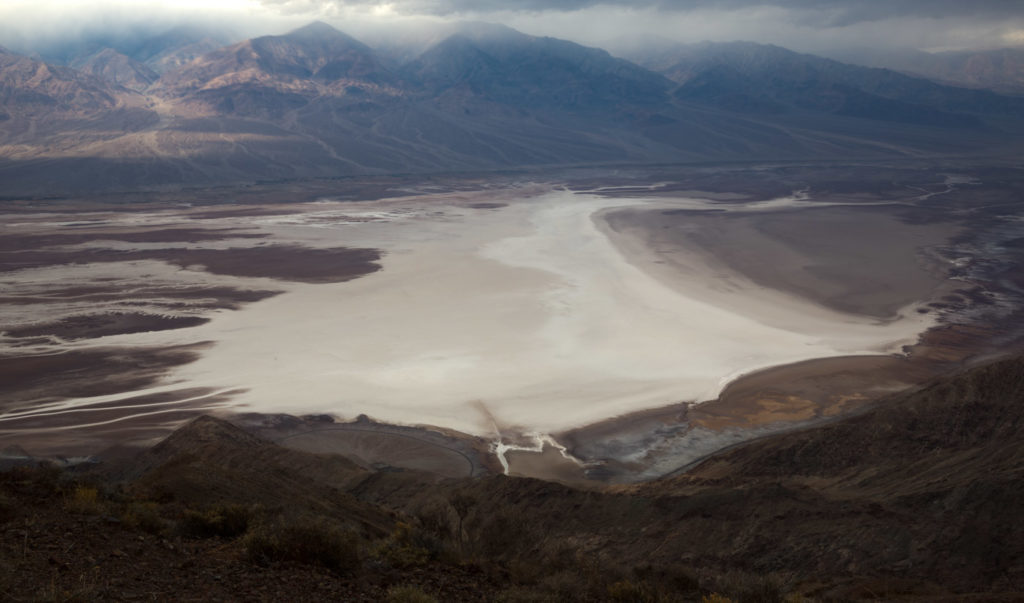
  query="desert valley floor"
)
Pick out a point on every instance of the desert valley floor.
point(583, 325)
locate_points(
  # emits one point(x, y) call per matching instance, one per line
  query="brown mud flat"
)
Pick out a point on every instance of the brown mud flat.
point(90, 326)
point(109, 431)
point(32, 388)
point(281, 262)
point(205, 297)
point(32, 379)
point(20, 242)
point(37, 374)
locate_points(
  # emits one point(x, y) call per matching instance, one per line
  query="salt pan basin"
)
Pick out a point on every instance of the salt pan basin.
point(525, 318)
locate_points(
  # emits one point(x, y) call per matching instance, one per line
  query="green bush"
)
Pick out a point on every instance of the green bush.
point(144, 516)
point(408, 594)
point(304, 541)
point(84, 500)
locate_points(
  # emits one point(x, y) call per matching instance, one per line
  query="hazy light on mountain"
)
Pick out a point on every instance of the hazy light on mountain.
point(807, 25)
point(1015, 37)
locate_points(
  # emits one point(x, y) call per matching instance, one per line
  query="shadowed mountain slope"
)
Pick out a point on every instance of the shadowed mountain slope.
point(116, 68)
point(758, 78)
point(210, 461)
point(1000, 70)
point(179, 46)
point(505, 66)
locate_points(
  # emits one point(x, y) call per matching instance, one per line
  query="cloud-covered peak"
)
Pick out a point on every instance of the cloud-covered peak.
point(811, 25)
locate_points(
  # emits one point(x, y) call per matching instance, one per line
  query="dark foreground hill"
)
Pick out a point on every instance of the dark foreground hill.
point(917, 498)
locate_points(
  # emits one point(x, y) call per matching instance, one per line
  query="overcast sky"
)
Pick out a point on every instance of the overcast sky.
point(800, 24)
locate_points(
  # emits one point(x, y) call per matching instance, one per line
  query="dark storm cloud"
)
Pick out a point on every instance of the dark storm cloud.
point(825, 12)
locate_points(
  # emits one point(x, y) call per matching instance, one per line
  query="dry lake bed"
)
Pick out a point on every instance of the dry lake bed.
point(584, 327)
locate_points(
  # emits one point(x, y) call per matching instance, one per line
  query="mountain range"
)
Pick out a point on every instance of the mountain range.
point(181, 109)
point(1000, 70)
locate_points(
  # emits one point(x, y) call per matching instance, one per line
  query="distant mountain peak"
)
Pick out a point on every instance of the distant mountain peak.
point(478, 30)
point(316, 30)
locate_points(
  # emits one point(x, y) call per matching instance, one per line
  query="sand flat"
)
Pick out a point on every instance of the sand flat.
point(853, 258)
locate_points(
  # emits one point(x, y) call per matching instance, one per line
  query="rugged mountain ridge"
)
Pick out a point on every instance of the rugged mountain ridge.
point(318, 103)
point(272, 74)
point(116, 68)
point(47, 109)
point(509, 67)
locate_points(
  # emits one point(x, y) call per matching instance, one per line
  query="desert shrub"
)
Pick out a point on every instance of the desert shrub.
point(671, 581)
point(307, 542)
point(435, 517)
point(408, 594)
point(525, 595)
point(144, 516)
point(528, 571)
point(556, 553)
point(406, 547)
point(84, 500)
point(41, 480)
point(566, 586)
point(629, 591)
point(462, 503)
point(223, 521)
point(752, 588)
point(506, 533)
point(86, 588)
